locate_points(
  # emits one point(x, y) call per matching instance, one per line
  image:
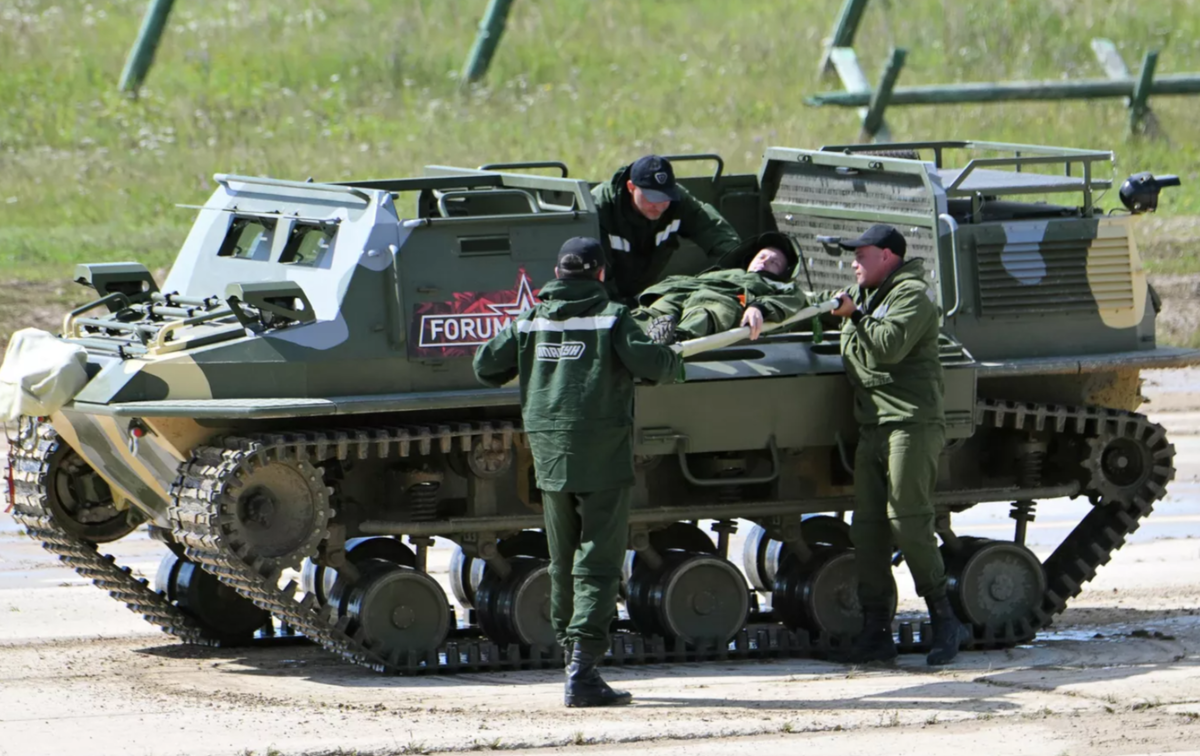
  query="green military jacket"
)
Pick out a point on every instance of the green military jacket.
point(891, 354)
point(639, 249)
point(777, 299)
point(576, 354)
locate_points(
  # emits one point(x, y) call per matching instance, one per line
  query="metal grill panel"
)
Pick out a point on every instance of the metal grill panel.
point(824, 271)
point(866, 191)
point(1055, 276)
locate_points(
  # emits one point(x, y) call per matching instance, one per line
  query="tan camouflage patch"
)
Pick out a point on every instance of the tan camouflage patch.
point(1116, 275)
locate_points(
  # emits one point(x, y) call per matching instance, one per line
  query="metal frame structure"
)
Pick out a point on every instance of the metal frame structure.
point(839, 56)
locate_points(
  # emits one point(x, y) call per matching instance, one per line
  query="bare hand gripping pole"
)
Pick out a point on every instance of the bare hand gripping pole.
point(734, 335)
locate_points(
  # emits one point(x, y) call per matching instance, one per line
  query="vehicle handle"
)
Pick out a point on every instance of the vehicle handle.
point(69, 320)
point(701, 156)
point(681, 446)
point(444, 212)
point(526, 165)
point(953, 225)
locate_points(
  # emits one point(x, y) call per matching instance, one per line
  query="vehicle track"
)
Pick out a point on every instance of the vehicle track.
point(203, 496)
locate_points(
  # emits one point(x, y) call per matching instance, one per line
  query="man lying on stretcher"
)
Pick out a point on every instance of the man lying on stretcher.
point(757, 287)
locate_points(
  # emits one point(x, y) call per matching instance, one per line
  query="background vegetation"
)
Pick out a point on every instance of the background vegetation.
point(354, 88)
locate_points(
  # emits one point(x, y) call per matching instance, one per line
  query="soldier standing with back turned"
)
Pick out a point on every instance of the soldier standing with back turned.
point(889, 346)
point(577, 353)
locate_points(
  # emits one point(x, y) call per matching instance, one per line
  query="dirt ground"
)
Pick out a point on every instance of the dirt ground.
point(1114, 677)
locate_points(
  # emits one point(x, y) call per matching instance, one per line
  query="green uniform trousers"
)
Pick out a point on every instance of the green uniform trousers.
point(895, 469)
point(700, 313)
point(588, 534)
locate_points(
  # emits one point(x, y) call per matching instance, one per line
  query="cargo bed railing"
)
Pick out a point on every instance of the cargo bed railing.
point(980, 175)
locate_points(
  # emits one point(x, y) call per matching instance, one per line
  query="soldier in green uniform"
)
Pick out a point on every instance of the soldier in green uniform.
point(759, 289)
point(889, 345)
point(577, 353)
point(643, 212)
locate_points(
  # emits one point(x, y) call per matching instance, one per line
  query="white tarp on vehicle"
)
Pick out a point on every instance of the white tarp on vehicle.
point(40, 374)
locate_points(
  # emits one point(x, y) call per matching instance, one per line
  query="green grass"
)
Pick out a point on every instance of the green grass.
point(351, 88)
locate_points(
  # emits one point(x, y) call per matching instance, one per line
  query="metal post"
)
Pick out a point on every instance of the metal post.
point(845, 62)
point(141, 56)
point(843, 33)
point(488, 39)
point(1141, 92)
point(1115, 68)
point(882, 95)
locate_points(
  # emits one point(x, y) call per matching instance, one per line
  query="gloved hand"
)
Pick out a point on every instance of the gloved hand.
point(662, 329)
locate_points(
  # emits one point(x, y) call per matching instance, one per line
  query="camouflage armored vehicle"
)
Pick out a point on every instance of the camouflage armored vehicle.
point(297, 395)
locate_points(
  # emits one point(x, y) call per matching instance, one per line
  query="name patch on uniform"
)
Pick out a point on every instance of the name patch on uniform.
point(455, 328)
point(568, 350)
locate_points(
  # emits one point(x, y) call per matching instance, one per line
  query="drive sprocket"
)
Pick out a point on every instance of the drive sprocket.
point(275, 509)
point(1129, 459)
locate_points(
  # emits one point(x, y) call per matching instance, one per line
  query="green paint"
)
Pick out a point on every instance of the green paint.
point(141, 55)
point(486, 42)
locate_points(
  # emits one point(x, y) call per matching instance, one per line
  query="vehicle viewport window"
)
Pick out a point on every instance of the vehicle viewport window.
point(248, 239)
point(309, 245)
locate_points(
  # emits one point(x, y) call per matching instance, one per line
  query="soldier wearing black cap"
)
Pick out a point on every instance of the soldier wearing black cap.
point(889, 345)
point(643, 212)
point(577, 353)
point(756, 288)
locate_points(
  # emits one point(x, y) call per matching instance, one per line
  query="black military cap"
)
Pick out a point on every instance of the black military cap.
point(879, 235)
point(655, 177)
point(580, 257)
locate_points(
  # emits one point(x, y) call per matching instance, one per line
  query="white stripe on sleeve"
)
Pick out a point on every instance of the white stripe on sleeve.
point(665, 234)
point(595, 323)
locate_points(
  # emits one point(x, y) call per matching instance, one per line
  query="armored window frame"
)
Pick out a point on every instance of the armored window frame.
point(260, 245)
point(295, 250)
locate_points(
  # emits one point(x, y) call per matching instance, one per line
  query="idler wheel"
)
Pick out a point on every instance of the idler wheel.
point(225, 613)
point(1129, 461)
point(693, 597)
point(80, 501)
point(397, 609)
point(516, 609)
point(322, 581)
point(994, 583)
point(762, 555)
point(467, 572)
point(820, 595)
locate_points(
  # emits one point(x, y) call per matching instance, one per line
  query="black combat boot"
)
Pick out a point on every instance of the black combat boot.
point(875, 643)
point(585, 687)
point(948, 632)
point(662, 329)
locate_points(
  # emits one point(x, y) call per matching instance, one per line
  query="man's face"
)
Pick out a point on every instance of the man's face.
point(651, 210)
point(873, 264)
point(769, 260)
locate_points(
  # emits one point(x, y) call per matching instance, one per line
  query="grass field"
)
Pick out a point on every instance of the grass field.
point(352, 88)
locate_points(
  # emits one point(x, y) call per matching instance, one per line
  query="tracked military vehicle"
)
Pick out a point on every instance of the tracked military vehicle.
point(297, 395)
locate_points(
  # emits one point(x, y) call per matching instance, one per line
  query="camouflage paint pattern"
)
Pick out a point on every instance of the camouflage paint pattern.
point(389, 289)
